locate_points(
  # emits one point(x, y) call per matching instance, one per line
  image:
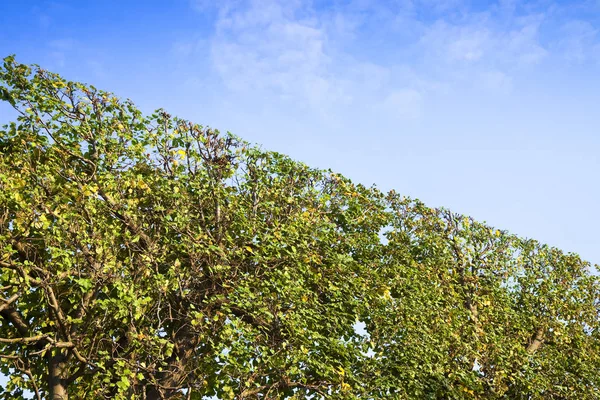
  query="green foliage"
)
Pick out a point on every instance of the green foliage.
point(150, 257)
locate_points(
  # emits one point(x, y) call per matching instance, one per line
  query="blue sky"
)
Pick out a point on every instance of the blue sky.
point(487, 108)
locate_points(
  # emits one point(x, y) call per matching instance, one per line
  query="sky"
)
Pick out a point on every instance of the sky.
point(489, 109)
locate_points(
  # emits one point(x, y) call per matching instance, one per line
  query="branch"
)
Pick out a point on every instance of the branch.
point(37, 339)
point(129, 223)
point(536, 342)
point(29, 339)
point(13, 316)
point(53, 303)
point(5, 303)
point(23, 366)
point(35, 386)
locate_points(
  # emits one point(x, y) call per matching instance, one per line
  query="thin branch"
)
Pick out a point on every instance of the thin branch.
point(5, 303)
point(536, 342)
point(32, 380)
point(29, 339)
point(53, 303)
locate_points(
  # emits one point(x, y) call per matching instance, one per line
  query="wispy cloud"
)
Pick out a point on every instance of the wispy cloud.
point(291, 52)
point(480, 41)
point(384, 60)
point(579, 42)
point(402, 104)
point(273, 47)
point(296, 50)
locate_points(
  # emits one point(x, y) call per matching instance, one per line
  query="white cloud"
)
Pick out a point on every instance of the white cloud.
point(202, 5)
point(293, 55)
point(63, 44)
point(578, 42)
point(496, 81)
point(288, 51)
point(265, 48)
point(468, 46)
point(478, 40)
point(403, 104)
point(522, 45)
point(183, 49)
point(442, 6)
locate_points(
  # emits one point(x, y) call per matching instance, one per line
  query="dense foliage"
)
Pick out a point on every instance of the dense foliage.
point(150, 257)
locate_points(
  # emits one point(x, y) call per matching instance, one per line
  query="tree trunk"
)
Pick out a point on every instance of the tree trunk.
point(172, 377)
point(57, 383)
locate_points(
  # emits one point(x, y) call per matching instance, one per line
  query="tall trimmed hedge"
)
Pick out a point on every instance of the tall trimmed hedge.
point(151, 257)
